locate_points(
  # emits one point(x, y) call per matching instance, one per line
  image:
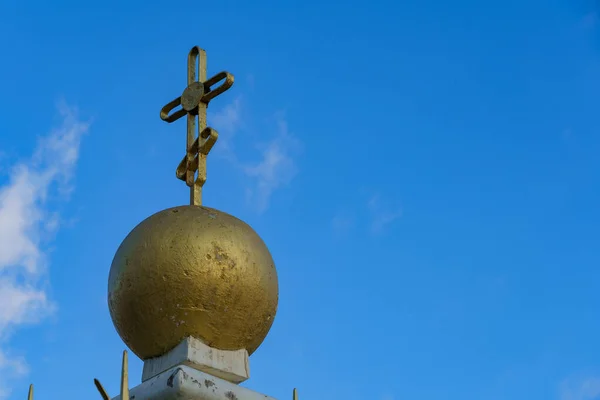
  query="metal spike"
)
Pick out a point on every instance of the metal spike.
point(124, 382)
point(101, 389)
point(124, 378)
point(30, 396)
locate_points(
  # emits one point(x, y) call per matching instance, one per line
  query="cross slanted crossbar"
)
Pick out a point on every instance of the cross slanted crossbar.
point(194, 101)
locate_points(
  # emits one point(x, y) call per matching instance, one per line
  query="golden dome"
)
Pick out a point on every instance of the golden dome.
point(192, 271)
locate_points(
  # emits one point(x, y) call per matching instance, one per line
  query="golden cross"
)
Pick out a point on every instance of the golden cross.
point(194, 101)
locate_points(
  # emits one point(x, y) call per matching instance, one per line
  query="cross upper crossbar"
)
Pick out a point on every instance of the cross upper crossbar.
point(193, 103)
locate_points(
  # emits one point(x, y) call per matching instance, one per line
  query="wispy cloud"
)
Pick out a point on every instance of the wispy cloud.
point(28, 221)
point(580, 389)
point(590, 20)
point(251, 81)
point(11, 367)
point(227, 121)
point(228, 118)
point(276, 167)
point(382, 213)
point(342, 222)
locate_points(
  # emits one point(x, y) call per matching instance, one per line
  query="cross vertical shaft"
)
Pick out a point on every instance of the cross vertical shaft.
point(196, 56)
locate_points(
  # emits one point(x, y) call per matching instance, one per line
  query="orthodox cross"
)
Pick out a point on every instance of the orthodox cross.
point(194, 101)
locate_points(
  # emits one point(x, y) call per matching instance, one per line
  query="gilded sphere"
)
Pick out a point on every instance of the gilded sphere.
point(192, 271)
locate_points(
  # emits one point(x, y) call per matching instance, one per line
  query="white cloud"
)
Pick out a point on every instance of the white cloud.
point(276, 166)
point(275, 169)
point(27, 222)
point(251, 81)
point(382, 214)
point(342, 222)
point(590, 20)
point(11, 367)
point(226, 121)
point(580, 389)
point(16, 364)
point(228, 118)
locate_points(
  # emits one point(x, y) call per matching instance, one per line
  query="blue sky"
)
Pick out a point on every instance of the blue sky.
point(425, 175)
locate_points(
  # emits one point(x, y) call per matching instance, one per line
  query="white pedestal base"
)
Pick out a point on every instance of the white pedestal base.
point(231, 366)
point(185, 383)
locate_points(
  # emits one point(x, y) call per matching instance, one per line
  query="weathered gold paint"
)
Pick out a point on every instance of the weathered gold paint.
point(193, 103)
point(192, 271)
